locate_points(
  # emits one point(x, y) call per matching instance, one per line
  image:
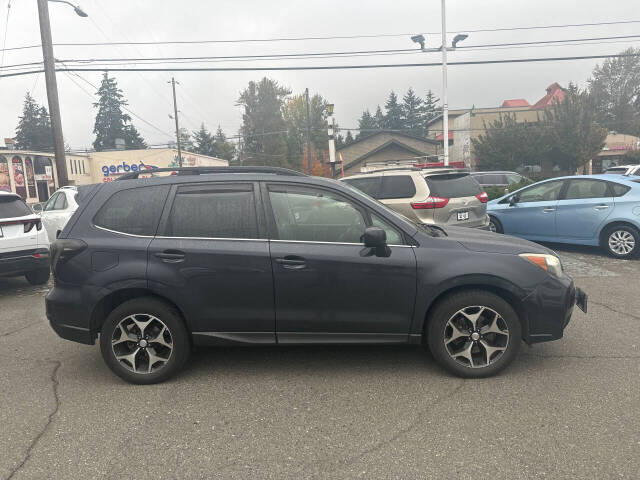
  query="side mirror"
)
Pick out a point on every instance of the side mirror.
point(376, 238)
point(36, 207)
point(513, 200)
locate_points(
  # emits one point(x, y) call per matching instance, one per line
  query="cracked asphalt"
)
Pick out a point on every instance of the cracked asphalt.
point(565, 409)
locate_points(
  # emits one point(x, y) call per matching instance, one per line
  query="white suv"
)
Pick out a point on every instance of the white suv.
point(24, 245)
point(58, 210)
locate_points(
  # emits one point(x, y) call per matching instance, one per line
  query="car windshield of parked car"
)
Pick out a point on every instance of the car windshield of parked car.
point(11, 207)
point(543, 192)
point(453, 185)
point(514, 178)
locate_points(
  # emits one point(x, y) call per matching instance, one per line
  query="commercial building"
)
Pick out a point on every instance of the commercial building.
point(32, 175)
point(614, 153)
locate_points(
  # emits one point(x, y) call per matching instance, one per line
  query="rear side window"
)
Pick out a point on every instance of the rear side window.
point(586, 189)
point(453, 185)
point(369, 185)
point(227, 211)
point(495, 179)
point(619, 189)
point(397, 186)
point(135, 211)
point(11, 207)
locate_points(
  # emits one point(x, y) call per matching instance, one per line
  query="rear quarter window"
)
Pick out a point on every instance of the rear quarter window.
point(453, 185)
point(397, 186)
point(135, 211)
point(619, 189)
point(11, 207)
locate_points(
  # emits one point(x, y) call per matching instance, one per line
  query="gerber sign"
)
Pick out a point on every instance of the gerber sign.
point(122, 168)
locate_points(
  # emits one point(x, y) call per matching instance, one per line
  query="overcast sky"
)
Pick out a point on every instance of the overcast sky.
point(211, 96)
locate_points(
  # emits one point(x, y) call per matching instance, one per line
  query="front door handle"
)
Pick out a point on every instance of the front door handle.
point(292, 262)
point(602, 207)
point(171, 256)
point(549, 209)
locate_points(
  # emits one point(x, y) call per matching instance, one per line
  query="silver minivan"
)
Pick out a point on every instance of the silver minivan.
point(433, 196)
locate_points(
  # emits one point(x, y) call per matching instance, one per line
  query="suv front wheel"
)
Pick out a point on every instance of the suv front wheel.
point(144, 341)
point(474, 333)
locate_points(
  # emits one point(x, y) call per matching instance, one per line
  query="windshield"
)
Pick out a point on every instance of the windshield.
point(11, 207)
point(423, 227)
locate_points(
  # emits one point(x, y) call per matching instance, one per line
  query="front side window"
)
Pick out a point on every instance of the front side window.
point(579, 189)
point(315, 215)
point(397, 186)
point(393, 235)
point(50, 205)
point(544, 192)
point(224, 211)
point(135, 211)
point(61, 202)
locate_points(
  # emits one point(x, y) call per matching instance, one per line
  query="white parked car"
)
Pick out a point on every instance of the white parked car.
point(24, 245)
point(624, 170)
point(58, 210)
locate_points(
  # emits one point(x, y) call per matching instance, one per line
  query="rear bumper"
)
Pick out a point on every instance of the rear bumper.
point(68, 312)
point(548, 309)
point(21, 262)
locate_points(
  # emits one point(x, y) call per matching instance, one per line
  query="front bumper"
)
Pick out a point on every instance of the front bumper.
point(21, 262)
point(548, 309)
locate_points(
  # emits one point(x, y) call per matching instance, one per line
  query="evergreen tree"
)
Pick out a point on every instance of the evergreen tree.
point(34, 128)
point(203, 142)
point(262, 122)
point(430, 107)
point(186, 142)
point(222, 147)
point(111, 123)
point(366, 124)
point(413, 112)
point(349, 138)
point(393, 113)
point(378, 117)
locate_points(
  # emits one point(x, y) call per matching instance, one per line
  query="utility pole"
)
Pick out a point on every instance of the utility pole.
point(332, 143)
point(52, 92)
point(306, 94)
point(445, 105)
point(175, 116)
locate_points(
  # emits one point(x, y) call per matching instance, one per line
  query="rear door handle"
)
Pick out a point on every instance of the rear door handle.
point(547, 210)
point(292, 262)
point(602, 207)
point(171, 256)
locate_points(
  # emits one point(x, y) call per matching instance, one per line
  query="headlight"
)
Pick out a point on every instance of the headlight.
point(549, 263)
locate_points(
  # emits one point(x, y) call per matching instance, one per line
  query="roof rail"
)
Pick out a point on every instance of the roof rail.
point(408, 167)
point(210, 170)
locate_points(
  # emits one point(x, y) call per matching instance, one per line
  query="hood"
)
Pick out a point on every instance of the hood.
point(484, 241)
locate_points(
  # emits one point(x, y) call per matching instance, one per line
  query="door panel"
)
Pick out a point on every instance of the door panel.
point(337, 290)
point(534, 214)
point(587, 205)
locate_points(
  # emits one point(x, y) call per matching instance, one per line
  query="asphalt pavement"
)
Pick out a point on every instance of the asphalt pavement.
point(565, 409)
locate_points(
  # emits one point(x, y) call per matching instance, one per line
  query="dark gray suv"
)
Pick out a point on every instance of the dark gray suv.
point(233, 255)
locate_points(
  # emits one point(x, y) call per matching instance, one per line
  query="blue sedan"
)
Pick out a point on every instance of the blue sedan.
point(595, 210)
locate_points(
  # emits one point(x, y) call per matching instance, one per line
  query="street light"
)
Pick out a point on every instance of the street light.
point(52, 85)
point(443, 48)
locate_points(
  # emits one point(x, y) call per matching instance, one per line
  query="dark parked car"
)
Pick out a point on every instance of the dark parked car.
point(234, 255)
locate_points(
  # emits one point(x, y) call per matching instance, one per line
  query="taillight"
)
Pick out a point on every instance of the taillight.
point(64, 249)
point(28, 226)
point(483, 197)
point(430, 202)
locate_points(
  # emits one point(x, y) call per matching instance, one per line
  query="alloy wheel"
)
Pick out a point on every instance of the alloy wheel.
point(476, 336)
point(492, 227)
point(142, 343)
point(621, 242)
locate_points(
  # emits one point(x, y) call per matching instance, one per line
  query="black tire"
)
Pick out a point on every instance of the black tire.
point(448, 308)
point(495, 225)
point(144, 308)
point(38, 277)
point(613, 241)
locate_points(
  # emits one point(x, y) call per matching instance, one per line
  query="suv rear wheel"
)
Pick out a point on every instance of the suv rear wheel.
point(144, 341)
point(474, 334)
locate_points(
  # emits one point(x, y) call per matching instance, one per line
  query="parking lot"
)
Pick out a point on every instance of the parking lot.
point(566, 409)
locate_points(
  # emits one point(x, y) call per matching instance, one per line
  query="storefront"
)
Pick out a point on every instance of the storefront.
point(30, 175)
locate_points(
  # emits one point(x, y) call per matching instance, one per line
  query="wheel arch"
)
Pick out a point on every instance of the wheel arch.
point(110, 301)
point(615, 223)
point(510, 292)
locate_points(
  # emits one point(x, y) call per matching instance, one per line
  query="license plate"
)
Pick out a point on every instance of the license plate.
point(463, 215)
point(581, 300)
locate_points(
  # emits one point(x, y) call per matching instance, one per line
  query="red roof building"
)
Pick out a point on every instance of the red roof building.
point(517, 102)
point(555, 94)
